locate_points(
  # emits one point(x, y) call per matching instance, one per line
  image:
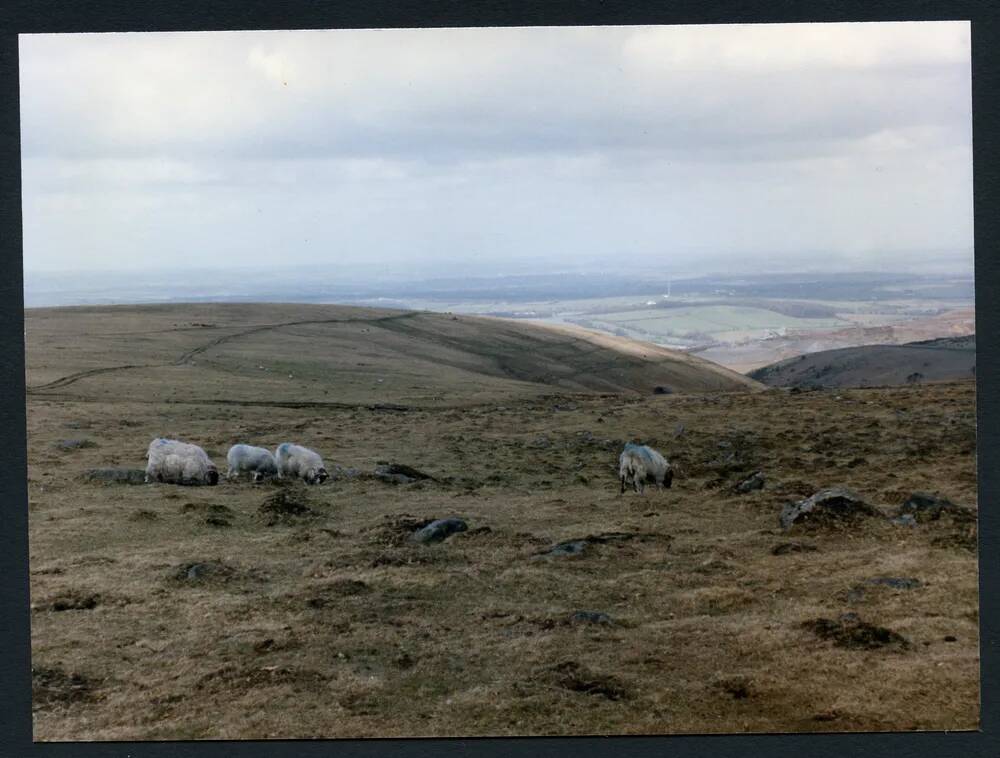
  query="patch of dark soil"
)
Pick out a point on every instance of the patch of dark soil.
point(793, 547)
point(115, 475)
point(54, 685)
point(73, 600)
point(849, 631)
point(573, 676)
point(286, 505)
point(737, 687)
point(395, 531)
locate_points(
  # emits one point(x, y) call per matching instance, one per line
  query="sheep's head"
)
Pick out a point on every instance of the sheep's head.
point(316, 476)
point(213, 477)
point(668, 479)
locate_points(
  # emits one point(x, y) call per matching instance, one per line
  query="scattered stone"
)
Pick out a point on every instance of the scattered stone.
point(849, 631)
point(950, 638)
point(203, 572)
point(661, 390)
point(578, 546)
point(590, 617)
point(74, 444)
point(678, 430)
point(399, 473)
point(924, 507)
point(572, 547)
point(754, 482)
point(907, 519)
point(438, 531)
point(827, 507)
point(793, 547)
point(116, 475)
point(542, 441)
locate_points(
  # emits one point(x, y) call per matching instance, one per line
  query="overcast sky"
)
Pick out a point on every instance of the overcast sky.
point(468, 151)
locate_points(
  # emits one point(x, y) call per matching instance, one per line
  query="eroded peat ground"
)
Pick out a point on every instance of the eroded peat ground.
point(163, 612)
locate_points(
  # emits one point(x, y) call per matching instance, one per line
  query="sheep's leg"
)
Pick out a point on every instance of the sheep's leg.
point(623, 485)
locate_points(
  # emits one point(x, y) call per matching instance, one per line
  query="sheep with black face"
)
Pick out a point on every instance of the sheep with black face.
point(639, 464)
point(175, 462)
point(297, 461)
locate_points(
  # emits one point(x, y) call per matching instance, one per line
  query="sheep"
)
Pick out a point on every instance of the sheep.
point(641, 463)
point(298, 461)
point(256, 461)
point(176, 462)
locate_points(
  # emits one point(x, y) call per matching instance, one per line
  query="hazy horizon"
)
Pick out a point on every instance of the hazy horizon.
point(428, 153)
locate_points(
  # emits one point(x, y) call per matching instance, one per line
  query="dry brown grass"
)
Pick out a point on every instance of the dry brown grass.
point(331, 624)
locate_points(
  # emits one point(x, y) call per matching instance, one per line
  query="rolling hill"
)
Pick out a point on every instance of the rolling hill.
point(318, 354)
point(945, 359)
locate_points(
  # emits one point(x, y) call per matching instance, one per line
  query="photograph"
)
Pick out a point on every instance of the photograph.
point(518, 381)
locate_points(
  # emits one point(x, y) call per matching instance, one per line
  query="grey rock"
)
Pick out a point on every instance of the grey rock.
point(203, 571)
point(923, 506)
point(907, 519)
point(834, 505)
point(399, 473)
point(572, 547)
point(438, 531)
point(754, 482)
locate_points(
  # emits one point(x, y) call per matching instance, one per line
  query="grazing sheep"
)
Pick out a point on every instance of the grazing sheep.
point(176, 462)
point(298, 461)
point(640, 463)
point(246, 459)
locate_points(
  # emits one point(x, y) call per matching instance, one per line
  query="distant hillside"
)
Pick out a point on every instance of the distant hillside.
point(945, 359)
point(282, 354)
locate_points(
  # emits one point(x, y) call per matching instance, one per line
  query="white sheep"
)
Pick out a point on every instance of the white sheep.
point(640, 463)
point(298, 461)
point(246, 459)
point(176, 462)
